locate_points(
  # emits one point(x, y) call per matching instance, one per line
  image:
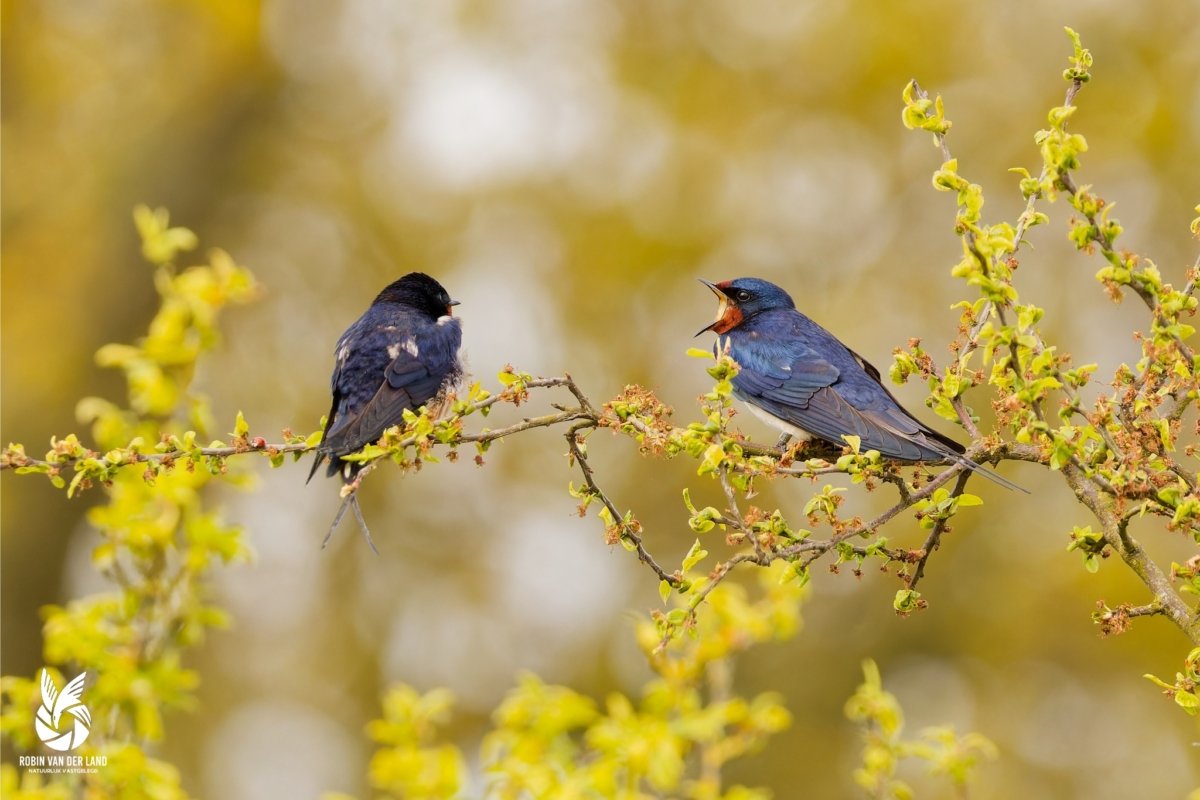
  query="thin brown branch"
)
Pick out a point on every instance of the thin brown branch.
point(490, 435)
point(738, 522)
point(1149, 610)
point(934, 539)
point(718, 574)
point(626, 531)
point(1117, 536)
point(821, 547)
point(259, 445)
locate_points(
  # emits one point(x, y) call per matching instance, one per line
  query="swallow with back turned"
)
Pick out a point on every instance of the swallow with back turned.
point(799, 378)
point(401, 354)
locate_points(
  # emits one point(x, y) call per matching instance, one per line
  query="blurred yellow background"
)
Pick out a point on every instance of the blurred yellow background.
point(568, 168)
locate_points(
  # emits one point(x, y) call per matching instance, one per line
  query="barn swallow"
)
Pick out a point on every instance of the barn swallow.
point(401, 354)
point(799, 378)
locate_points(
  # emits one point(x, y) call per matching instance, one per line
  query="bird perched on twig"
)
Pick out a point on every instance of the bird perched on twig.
point(799, 378)
point(401, 354)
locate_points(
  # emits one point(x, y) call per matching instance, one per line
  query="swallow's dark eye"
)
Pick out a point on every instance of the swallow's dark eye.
point(743, 295)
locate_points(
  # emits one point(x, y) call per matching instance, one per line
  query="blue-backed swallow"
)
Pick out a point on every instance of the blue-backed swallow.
point(401, 354)
point(799, 378)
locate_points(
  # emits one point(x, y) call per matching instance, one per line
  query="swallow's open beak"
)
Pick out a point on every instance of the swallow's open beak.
point(721, 309)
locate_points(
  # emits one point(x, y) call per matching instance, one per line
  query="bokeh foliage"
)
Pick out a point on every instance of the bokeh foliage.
point(552, 742)
point(158, 539)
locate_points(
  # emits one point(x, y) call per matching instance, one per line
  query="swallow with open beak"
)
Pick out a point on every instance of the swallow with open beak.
point(799, 378)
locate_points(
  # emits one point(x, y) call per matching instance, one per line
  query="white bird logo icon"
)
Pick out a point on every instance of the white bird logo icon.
point(54, 705)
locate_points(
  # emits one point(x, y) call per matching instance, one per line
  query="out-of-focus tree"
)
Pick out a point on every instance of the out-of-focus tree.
point(1123, 450)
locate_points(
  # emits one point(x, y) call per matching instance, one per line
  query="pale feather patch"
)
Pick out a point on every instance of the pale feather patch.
point(779, 424)
point(409, 346)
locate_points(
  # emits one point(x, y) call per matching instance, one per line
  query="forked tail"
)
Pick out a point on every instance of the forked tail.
point(351, 501)
point(991, 475)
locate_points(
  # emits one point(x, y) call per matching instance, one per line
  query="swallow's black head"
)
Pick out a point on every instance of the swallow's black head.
point(418, 290)
point(742, 298)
